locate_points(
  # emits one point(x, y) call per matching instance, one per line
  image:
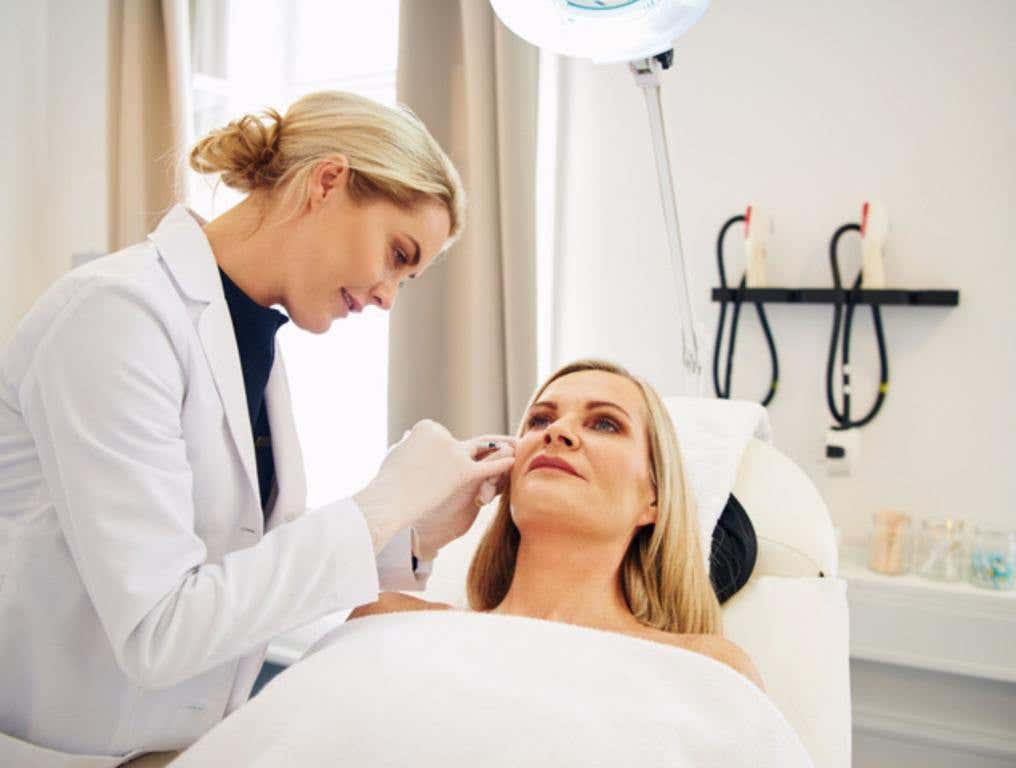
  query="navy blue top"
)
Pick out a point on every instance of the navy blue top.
point(255, 327)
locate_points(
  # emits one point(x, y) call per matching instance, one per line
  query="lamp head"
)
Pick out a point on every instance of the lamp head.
point(601, 30)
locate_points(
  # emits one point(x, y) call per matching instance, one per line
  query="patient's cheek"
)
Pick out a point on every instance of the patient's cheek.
point(524, 449)
point(517, 470)
point(518, 482)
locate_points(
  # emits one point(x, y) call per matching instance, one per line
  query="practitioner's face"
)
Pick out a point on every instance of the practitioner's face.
point(361, 250)
point(598, 423)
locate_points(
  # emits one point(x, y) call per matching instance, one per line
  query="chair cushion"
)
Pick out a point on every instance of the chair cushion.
point(796, 632)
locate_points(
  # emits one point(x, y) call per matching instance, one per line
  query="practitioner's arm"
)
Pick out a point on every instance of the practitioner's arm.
point(396, 602)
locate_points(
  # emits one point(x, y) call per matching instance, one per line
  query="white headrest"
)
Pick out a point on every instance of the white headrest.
point(713, 435)
point(791, 521)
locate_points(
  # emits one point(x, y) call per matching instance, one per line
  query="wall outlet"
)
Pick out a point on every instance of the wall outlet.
point(842, 451)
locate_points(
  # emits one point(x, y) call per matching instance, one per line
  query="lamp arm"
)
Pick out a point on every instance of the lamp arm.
point(646, 73)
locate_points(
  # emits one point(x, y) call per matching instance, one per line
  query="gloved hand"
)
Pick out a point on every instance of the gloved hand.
point(430, 476)
point(456, 515)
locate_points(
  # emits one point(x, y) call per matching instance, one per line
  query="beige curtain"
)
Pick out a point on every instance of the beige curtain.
point(149, 113)
point(463, 338)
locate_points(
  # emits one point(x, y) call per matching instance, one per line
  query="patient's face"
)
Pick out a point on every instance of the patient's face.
point(596, 422)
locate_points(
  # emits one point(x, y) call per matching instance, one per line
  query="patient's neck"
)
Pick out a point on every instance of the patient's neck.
point(559, 579)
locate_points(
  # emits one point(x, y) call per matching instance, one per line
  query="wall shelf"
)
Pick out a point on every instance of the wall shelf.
point(910, 621)
point(882, 296)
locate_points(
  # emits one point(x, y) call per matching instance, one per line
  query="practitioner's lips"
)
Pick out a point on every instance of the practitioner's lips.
point(551, 462)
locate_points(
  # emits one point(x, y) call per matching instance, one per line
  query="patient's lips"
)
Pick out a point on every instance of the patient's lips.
point(551, 462)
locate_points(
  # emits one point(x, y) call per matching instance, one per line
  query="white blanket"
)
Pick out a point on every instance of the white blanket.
point(442, 689)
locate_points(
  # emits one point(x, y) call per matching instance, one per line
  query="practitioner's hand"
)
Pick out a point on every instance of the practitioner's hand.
point(422, 480)
point(457, 514)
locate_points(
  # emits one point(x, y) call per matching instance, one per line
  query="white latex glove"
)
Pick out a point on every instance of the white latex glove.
point(427, 474)
point(458, 513)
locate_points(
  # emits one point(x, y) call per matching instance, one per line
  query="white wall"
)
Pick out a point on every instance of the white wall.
point(804, 107)
point(807, 108)
point(53, 198)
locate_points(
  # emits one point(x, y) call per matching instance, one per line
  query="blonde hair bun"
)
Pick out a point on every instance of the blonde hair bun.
point(244, 151)
point(391, 153)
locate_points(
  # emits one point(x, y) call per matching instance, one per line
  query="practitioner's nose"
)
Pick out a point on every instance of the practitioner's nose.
point(384, 294)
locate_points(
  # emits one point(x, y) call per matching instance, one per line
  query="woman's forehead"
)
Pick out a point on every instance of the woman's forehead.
point(576, 389)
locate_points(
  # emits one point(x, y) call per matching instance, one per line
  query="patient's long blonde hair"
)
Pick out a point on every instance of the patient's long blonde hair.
point(663, 574)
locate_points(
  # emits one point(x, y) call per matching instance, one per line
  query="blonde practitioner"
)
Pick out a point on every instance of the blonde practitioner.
point(150, 472)
point(597, 526)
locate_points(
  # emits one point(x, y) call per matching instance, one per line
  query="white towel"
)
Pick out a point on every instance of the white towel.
point(447, 688)
point(713, 435)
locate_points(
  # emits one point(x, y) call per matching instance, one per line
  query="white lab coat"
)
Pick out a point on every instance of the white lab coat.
point(138, 585)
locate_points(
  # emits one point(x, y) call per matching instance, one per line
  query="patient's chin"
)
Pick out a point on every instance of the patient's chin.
point(543, 521)
point(542, 512)
point(554, 490)
point(564, 529)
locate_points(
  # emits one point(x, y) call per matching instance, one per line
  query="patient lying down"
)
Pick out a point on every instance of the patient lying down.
point(596, 526)
point(594, 550)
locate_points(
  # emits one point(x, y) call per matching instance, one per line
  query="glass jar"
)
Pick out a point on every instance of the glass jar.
point(993, 559)
point(941, 553)
point(889, 550)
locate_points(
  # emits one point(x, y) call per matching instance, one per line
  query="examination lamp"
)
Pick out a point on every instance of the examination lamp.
point(641, 32)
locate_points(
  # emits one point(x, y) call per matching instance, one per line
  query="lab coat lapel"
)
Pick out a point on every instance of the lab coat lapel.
point(188, 257)
point(215, 329)
point(291, 482)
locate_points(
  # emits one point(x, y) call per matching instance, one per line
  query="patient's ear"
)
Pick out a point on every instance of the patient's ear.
point(649, 514)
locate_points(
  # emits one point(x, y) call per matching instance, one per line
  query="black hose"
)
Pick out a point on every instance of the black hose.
point(721, 388)
point(847, 299)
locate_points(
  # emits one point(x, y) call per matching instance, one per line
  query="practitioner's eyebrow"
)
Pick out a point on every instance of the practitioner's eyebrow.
point(589, 406)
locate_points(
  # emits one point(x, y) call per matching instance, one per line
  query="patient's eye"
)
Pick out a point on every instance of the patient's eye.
point(537, 419)
point(612, 426)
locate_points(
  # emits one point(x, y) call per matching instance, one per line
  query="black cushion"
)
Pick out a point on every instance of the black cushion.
point(734, 549)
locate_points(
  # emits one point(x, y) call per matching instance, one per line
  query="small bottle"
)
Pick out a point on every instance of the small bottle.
point(993, 559)
point(940, 550)
point(890, 547)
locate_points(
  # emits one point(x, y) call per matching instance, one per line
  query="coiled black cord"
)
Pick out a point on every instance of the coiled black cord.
point(723, 388)
point(848, 298)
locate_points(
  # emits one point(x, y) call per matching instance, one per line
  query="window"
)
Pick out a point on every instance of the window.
point(267, 53)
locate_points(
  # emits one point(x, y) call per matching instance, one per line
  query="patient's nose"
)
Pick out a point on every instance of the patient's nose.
point(556, 433)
